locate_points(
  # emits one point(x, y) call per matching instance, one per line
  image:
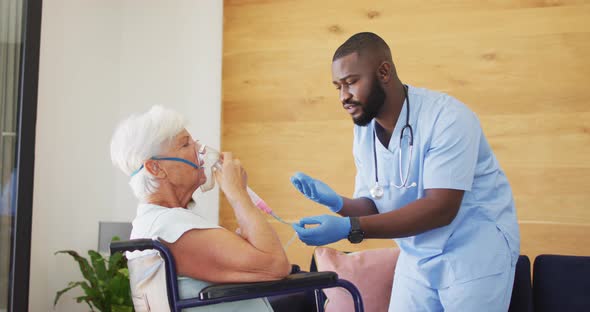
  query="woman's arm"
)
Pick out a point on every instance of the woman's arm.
point(218, 255)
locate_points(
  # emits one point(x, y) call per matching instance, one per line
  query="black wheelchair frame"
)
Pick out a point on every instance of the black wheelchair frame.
point(293, 283)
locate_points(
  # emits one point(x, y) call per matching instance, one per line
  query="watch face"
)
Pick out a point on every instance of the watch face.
point(355, 237)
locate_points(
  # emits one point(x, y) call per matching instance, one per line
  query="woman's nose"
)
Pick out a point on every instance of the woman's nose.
point(198, 152)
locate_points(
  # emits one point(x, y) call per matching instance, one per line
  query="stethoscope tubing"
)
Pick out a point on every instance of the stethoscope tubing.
point(377, 190)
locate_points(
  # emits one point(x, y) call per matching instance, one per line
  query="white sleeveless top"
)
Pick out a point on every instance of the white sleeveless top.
point(146, 268)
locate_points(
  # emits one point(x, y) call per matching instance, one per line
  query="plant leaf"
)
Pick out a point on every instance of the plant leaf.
point(63, 291)
point(117, 285)
point(115, 262)
point(106, 287)
point(85, 299)
point(124, 272)
point(94, 296)
point(121, 289)
point(98, 263)
point(85, 268)
point(122, 308)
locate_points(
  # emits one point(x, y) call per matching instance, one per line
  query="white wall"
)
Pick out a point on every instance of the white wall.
point(101, 61)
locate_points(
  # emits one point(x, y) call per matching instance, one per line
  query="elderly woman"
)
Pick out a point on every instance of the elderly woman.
point(161, 158)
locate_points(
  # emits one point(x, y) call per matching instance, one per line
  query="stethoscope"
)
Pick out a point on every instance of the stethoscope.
point(377, 190)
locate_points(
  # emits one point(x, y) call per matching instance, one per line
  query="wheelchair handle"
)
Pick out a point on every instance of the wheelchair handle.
point(132, 245)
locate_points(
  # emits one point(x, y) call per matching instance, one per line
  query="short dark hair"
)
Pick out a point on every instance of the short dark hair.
point(363, 42)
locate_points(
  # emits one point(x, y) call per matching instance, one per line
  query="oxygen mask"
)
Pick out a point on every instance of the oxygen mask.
point(209, 158)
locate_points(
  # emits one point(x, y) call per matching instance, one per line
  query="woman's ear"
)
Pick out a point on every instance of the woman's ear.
point(153, 167)
point(384, 72)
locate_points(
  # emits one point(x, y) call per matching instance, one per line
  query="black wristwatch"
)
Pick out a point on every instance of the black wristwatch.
point(356, 235)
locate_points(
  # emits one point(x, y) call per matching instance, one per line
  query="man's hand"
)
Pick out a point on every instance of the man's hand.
point(317, 191)
point(330, 229)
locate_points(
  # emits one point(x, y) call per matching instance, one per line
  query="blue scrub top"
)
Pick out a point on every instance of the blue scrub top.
point(450, 152)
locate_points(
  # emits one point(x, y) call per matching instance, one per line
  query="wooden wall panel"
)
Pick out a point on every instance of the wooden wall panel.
point(522, 66)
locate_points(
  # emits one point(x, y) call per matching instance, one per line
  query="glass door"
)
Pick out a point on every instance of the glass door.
point(20, 28)
point(10, 52)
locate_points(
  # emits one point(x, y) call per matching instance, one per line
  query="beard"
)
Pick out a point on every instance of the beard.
point(373, 105)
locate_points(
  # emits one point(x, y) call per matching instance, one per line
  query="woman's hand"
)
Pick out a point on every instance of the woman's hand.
point(232, 178)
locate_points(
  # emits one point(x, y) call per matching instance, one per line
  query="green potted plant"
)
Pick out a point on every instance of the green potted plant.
point(106, 285)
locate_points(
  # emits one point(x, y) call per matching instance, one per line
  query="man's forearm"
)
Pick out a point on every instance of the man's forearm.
point(357, 207)
point(417, 217)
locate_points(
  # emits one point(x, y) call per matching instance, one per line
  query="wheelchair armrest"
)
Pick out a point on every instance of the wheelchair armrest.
point(294, 281)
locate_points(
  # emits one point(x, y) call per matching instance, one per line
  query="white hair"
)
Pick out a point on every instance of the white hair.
point(140, 137)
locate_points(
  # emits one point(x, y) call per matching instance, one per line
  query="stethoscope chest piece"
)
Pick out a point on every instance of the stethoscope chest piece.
point(376, 191)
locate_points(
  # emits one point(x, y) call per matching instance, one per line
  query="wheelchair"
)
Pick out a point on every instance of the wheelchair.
point(296, 282)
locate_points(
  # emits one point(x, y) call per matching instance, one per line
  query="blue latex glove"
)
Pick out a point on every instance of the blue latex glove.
point(330, 229)
point(317, 191)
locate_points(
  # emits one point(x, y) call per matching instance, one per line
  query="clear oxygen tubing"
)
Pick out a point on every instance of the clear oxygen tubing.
point(261, 204)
